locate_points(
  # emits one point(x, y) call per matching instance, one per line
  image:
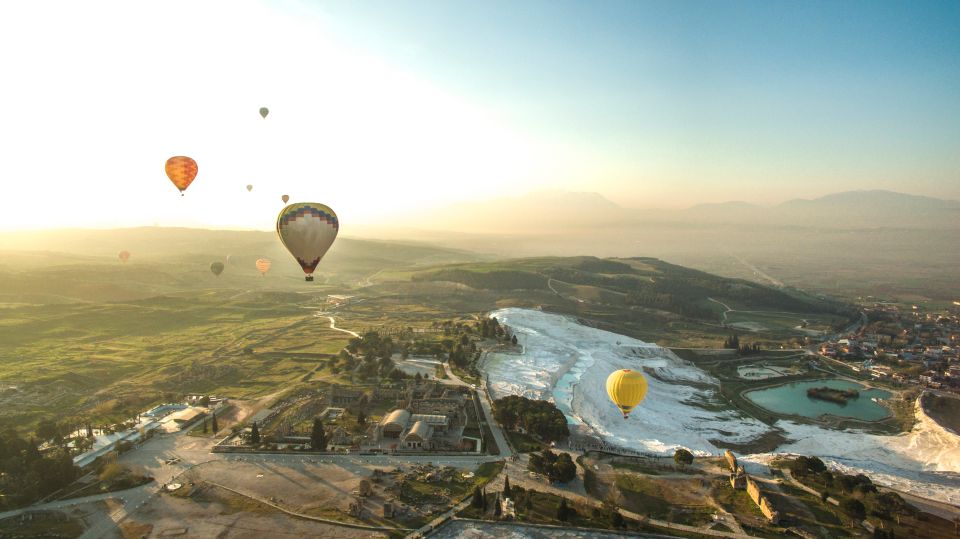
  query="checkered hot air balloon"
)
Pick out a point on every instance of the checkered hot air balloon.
point(181, 170)
point(307, 230)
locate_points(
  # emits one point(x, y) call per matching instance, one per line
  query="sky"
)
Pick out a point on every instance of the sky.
point(384, 110)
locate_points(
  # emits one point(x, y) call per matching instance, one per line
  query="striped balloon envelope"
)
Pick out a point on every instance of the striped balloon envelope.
point(307, 230)
point(263, 265)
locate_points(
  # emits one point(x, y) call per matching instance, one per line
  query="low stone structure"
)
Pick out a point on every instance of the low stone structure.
point(731, 460)
point(753, 489)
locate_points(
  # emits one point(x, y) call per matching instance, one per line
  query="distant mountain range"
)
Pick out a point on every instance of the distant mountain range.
point(552, 211)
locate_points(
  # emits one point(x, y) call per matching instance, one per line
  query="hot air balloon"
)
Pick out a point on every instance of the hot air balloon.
point(181, 171)
point(307, 230)
point(264, 111)
point(216, 268)
point(263, 266)
point(285, 198)
point(626, 389)
point(124, 256)
point(249, 188)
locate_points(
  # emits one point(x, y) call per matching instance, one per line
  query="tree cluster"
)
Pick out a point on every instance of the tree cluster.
point(26, 475)
point(733, 343)
point(558, 467)
point(539, 418)
point(857, 493)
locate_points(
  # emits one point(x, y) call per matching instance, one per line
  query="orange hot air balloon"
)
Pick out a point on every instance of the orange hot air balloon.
point(124, 256)
point(263, 266)
point(181, 170)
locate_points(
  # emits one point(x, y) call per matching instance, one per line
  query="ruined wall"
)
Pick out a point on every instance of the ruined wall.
point(731, 460)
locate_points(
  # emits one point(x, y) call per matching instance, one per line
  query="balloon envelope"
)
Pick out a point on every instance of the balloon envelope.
point(124, 256)
point(249, 188)
point(216, 268)
point(181, 170)
point(307, 230)
point(264, 111)
point(285, 198)
point(626, 388)
point(263, 265)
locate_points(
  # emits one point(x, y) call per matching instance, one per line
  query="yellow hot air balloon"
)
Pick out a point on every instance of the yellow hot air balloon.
point(263, 265)
point(181, 170)
point(626, 389)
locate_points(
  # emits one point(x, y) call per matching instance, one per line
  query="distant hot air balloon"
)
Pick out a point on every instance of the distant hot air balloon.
point(626, 389)
point(124, 256)
point(307, 230)
point(227, 259)
point(285, 198)
point(263, 265)
point(181, 170)
point(216, 268)
point(264, 111)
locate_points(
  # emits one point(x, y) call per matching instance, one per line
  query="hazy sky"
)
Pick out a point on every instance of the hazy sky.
point(394, 106)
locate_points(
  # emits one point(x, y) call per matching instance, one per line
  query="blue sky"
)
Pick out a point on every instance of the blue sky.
point(720, 95)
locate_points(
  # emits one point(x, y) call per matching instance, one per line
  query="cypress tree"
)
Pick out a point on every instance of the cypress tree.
point(318, 438)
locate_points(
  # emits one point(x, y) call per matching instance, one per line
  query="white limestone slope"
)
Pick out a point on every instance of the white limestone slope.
point(568, 363)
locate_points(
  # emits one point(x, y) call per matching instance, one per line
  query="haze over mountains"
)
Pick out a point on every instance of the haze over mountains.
point(546, 211)
point(852, 243)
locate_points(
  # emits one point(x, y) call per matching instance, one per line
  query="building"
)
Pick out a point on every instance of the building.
point(182, 419)
point(419, 436)
point(438, 423)
point(394, 423)
point(403, 430)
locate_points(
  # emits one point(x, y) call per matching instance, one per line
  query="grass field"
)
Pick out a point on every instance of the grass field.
point(87, 339)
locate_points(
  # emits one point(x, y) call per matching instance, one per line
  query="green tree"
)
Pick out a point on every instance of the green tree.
point(213, 424)
point(564, 469)
point(616, 519)
point(683, 457)
point(361, 418)
point(854, 509)
point(477, 501)
point(506, 487)
point(497, 511)
point(563, 511)
point(255, 433)
point(318, 437)
point(204, 426)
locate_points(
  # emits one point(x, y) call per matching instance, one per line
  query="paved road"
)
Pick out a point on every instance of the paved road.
point(487, 407)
